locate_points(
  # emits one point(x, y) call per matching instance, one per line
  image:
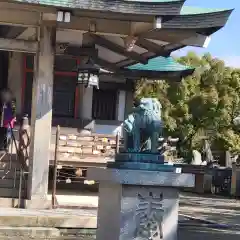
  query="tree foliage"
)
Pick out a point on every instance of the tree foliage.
point(202, 105)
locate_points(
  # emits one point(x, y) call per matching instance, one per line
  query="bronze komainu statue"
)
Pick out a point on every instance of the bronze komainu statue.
point(143, 126)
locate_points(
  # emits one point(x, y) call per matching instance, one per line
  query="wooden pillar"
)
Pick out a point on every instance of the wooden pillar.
point(121, 105)
point(86, 102)
point(41, 118)
point(81, 99)
point(86, 94)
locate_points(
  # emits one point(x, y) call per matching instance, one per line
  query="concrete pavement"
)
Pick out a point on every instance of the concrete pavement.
point(217, 209)
point(221, 210)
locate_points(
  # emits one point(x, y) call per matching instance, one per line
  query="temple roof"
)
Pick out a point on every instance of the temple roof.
point(157, 7)
point(159, 67)
point(148, 7)
point(160, 27)
point(171, 13)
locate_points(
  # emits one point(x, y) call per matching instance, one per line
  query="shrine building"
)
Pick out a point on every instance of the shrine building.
point(46, 44)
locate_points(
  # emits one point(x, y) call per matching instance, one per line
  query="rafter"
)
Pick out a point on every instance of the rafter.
point(18, 45)
point(105, 64)
point(171, 47)
point(101, 41)
point(152, 47)
point(164, 51)
point(11, 31)
point(148, 45)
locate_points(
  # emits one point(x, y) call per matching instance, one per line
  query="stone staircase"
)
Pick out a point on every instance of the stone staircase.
point(10, 181)
point(47, 224)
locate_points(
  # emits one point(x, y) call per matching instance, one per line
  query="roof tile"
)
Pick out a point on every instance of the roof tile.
point(160, 64)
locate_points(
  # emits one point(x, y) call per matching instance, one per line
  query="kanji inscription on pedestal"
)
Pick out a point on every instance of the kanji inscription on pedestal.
point(149, 215)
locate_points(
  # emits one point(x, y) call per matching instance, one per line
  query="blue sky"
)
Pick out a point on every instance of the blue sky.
point(225, 44)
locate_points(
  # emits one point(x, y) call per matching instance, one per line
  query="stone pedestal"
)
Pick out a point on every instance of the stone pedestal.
point(137, 204)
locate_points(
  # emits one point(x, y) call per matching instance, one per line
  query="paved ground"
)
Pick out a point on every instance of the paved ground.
point(221, 210)
point(201, 233)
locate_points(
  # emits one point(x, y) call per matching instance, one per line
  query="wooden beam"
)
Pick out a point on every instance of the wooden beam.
point(70, 50)
point(184, 36)
point(106, 65)
point(28, 18)
point(101, 41)
point(12, 31)
point(171, 47)
point(152, 47)
point(103, 26)
point(19, 18)
point(148, 45)
point(9, 5)
point(18, 45)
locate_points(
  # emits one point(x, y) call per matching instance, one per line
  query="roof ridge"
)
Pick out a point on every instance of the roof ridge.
point(189, 10)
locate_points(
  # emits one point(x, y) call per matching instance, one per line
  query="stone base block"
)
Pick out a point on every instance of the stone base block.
point(128, 212)
point(137, 204)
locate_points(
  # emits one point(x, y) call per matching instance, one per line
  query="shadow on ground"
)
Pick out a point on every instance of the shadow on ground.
point(200, 233)
point(218, 209)
point(184, 233)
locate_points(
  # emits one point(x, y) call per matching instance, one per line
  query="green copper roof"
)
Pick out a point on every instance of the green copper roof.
point(187, 10)
point(160, 64)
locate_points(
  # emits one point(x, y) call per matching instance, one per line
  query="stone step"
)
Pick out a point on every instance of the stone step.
point(31, 233)
point(197, 233)
point(46, 233)
point(59, 218)
point(47, 238)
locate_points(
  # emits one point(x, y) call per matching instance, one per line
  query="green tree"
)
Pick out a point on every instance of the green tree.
point(202, 105)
